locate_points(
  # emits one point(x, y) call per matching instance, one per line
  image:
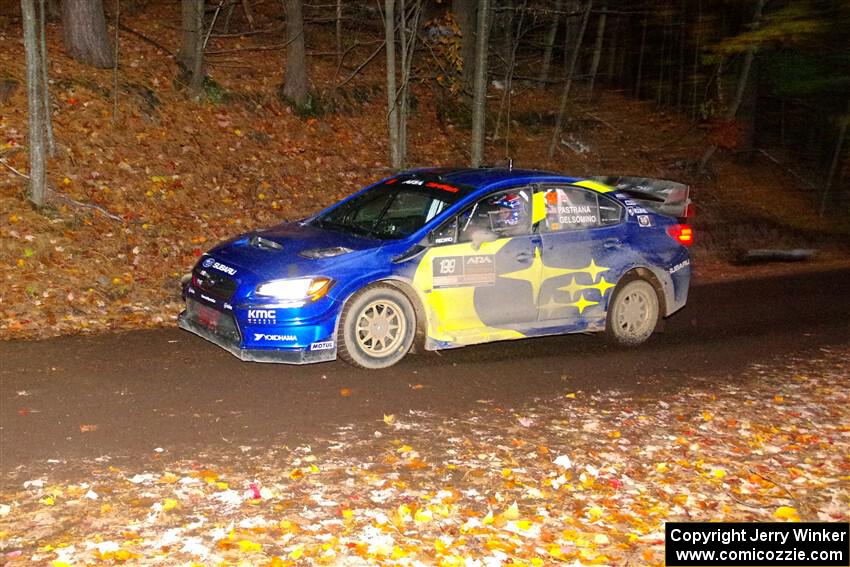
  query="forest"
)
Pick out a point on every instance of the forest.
point(135, 133)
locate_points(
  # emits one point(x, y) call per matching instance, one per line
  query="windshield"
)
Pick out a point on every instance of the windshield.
point(389, 211)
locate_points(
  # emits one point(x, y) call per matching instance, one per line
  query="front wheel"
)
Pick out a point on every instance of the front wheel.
point(633, 313)
point(376, 328)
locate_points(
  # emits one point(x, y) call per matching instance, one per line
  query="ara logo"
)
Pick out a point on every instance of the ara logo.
point(266, 337)
point(212, 263)
point(261, 314)
point(479, 260)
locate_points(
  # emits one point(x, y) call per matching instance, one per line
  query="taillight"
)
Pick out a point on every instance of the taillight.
point(681, 233)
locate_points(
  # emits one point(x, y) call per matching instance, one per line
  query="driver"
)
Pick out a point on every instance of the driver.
point(511, 212)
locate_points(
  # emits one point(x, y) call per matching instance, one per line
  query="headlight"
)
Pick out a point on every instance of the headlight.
point(295, 289)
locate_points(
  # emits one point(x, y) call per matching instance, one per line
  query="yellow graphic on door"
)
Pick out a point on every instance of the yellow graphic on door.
point(452, 316)
point(450, 301)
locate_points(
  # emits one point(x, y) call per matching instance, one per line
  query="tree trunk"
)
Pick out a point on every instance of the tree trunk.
point(464, 13)
point(392, 108)
point(338, 32)
point(836, 160)
point(115, 60)
point(196, 85)
point(695, 72)
point(743, 80)
point(597, 48)
point(45, 82)
point(38, 183)
point(189, 34)
point(505, 103)
point(549, 42)
point(479, 101)
point(556, 134)
point(401, 96)
point(84, 32)
point(408, 47)
point(640, 56)
point(54, 10)
point(503, 24)
point(295, 85)
point(573, 22)
point(612, 49)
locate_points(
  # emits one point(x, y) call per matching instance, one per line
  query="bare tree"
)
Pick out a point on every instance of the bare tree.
point(597, 48)
point(42, 46)
point(464, 14)
point(479, 100)
point(408, 47)
point(398, 94)
point(836, 160)
point(84, 32)
point(296, 86)
point(392, 108)
point(549, 41)
point(743, 81)
point(565, 95)
point(196, 86)
point(36, 108)
point(505, 103)
point(192, 20)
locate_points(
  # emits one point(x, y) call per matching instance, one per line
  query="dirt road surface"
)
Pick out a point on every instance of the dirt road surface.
point(130, 394)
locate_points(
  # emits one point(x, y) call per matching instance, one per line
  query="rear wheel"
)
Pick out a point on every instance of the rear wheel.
point(377, 327)
point(633, 312)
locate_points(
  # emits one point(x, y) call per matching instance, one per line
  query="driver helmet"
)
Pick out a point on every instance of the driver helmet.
point(511, 207)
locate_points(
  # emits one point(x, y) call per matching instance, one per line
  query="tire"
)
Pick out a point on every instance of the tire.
point(633, 312)
point(377, 328)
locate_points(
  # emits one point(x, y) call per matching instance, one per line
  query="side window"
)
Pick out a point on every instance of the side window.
point(610, 212)
point(507, 213)
point(572, 208)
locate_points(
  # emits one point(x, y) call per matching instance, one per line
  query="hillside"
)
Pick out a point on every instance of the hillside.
point(143, 194)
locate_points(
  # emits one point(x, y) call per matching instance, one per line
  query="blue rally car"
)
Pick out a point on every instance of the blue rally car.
point(442, 258)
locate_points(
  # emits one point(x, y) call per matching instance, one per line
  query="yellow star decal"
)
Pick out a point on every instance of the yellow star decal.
point(573, 288)
point(549, 308)
point(602, 286)
point(594, 270)
point(537, 273)
point(582, 304)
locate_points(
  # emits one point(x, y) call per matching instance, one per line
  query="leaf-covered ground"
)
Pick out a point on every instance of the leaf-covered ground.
point(168, 177)
point(581, 478)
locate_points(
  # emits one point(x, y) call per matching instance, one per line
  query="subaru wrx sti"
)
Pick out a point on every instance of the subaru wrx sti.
point(441, 258)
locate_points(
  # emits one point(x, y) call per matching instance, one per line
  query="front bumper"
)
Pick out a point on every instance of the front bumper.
point(231, 345)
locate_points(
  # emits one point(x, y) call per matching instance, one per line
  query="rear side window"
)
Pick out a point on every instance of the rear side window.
point(571, 208)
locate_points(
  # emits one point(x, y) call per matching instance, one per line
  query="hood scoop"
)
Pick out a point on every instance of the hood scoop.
point(263, 243)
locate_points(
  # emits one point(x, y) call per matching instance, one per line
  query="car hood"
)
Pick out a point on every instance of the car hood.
point(276, 252)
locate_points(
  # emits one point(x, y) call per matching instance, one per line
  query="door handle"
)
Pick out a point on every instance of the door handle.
point(612, 243)
point(524, 256)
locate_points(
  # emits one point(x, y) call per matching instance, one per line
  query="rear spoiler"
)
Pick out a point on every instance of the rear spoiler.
point(659, 195)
